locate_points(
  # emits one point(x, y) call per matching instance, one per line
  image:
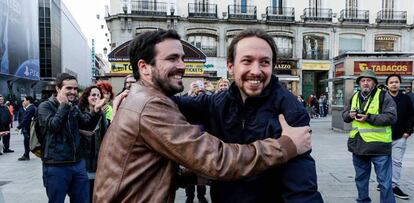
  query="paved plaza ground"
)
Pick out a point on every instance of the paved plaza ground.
point(21, 182)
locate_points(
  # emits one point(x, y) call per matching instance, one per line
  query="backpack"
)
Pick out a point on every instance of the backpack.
point(36, 136)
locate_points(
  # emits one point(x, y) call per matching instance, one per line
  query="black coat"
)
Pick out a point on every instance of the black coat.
point(228, 118)
point(27, 118)
point(59, 124)
point(404, 116)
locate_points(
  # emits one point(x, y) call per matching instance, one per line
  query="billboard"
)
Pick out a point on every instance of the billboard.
point(19, 38)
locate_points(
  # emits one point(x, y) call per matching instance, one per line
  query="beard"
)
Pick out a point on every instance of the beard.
point(164, 83)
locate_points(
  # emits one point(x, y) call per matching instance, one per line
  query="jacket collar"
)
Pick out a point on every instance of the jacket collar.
point(234, 91)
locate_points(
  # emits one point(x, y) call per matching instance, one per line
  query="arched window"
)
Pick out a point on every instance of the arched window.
point(387, 43)
point(284, 46)
point(350, 42)
point(206, 43)
point(315, 46)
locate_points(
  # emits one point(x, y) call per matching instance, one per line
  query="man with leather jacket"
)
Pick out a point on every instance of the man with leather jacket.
point(64, 171)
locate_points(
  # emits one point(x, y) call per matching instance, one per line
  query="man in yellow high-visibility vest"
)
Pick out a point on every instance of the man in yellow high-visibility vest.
point(372, 111)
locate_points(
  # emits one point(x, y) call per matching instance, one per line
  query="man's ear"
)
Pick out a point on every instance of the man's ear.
point(57, 89)
point(230, 68)
point(144, 68)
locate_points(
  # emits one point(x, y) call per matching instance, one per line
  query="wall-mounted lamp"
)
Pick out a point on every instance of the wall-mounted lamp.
point(224, 14)
point(172, 11)
point(264, 16)
point(125, 9)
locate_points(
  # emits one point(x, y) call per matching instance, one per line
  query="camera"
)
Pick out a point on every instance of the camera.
point(359, 111)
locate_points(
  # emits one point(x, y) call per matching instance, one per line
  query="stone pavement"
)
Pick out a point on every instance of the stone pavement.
point(21, 182)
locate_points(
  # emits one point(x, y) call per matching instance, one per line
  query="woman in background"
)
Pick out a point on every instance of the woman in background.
point(91, 136)
point(108, 95)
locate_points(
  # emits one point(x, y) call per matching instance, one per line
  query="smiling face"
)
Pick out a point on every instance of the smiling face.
point(94, 95)
point(69, 89)
point(252, 66)
point(169, 67)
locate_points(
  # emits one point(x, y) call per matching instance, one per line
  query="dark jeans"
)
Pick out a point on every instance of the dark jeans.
point(62, 180)
point(383, 169)
point(6, 142)
point(190, 190)
point(26, 142)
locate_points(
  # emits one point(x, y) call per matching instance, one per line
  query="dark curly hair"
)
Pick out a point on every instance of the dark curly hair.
point(83, 100)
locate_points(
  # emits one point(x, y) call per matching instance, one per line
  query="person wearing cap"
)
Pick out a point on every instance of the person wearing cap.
point(371, 111)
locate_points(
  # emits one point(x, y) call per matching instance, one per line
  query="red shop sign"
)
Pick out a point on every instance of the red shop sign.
point(384, 67)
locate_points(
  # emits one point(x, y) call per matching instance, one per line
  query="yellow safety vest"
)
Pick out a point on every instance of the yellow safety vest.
point(368, 132)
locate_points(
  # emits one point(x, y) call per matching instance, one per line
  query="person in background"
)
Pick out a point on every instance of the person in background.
point(5, 120)
point(64, 169)
point(92, 135)
point(401, 131)
point(108, 94)
point(11, 110)
point(321, 107)
point(371, 111)
point(25, 125)
point(197, 88)
point(409, 93)
point(301, 100)
point(222, 84)
point(128, 81)
point(209, 87)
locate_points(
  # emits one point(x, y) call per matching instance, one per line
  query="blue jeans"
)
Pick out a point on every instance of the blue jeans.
point(62, 180)
point(382, 166)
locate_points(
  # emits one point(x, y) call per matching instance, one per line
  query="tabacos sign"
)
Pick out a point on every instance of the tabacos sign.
point(384, 67)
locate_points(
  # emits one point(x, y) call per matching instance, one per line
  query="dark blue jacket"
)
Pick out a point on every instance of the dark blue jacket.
point(27, 118)
point(59, 123)
point(225, 116)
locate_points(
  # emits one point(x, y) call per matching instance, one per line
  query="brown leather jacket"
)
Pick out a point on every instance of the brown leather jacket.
point(149, 137)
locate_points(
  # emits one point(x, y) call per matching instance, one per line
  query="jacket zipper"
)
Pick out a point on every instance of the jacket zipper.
point(73, 138)
point(243, 121)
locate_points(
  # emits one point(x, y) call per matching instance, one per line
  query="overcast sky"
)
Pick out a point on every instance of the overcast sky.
point(85, 13)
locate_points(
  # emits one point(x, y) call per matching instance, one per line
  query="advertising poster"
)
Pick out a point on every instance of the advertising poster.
point(19, 38)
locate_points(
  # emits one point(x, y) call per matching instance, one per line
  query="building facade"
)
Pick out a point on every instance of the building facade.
point(63, 47)
point(308, 33)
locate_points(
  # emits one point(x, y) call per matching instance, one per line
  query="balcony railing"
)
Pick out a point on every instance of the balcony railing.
point(316, 54)
point(354, 16)
point(209, 51)
point(395, 17)
point(200, 10)
point(242, 12)
point(284, 52)
point(148, 8)
point(280, 14)
point(317, 14)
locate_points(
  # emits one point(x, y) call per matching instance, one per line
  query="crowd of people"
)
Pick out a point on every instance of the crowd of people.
point(248, 139)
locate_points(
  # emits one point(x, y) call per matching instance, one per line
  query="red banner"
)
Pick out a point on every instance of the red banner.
point(384, 67)
point(339, 70)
